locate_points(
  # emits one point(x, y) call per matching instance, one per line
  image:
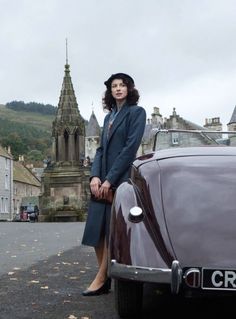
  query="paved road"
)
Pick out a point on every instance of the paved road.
point(44, 269)
point(24, 243)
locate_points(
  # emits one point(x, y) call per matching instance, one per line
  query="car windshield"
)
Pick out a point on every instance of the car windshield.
point(163, 139)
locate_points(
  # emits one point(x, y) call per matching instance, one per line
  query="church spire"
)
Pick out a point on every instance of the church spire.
point(68, 129)
point(66, 51)
point(67, 108)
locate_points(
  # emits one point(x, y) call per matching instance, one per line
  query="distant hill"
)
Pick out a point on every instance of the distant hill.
point(25, 132)
point(46, 109)
point(27, 129)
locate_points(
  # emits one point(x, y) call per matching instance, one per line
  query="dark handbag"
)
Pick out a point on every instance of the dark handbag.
point(105, 200)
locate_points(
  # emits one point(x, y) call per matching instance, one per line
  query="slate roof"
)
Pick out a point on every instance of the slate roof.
point(233, 117)
point(24, 175)
point(4, 153)
point(93, 128)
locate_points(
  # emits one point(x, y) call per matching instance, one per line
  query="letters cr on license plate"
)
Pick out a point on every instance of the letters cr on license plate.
point(221, 279)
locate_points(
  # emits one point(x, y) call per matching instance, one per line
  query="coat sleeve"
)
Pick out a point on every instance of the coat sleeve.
point(135, 129)
point(97, 163)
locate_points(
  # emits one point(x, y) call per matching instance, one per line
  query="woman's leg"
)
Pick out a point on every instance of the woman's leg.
point(101, 253)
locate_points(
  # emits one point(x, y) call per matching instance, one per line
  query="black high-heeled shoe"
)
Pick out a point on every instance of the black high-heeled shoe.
point(104, 289)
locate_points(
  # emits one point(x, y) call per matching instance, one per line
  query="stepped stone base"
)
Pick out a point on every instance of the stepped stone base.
point(65, 194)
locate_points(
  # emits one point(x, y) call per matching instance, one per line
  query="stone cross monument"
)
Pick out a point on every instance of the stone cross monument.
point(65, 181)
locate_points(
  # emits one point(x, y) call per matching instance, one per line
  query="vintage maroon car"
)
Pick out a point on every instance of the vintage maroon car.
point(174, 222)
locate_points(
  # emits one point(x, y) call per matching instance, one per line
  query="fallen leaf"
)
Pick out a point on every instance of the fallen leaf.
point(73, 278)
point(11, 273)
point(45, 287)
point(34, 281)
point(34, 271)
point(72, 317)
point(13, 278)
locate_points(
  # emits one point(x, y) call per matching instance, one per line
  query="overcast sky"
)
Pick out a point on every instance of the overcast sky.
point(181, 53)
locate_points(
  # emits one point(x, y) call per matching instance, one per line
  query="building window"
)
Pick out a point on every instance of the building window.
point(175, 138)
point(6, 182)
point(2, 205)
point(6, 163)
point(6, 205)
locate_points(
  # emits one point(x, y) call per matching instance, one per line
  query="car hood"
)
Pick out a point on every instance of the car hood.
point(199, 205)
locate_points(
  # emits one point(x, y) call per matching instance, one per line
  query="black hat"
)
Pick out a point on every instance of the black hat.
point(118, 76)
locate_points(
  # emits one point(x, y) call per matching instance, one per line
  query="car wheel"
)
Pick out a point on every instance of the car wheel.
point(128, 298)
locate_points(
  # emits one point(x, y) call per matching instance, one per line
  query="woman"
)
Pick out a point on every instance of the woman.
point(121, 136)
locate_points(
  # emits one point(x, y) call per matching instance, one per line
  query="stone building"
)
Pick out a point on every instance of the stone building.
point(65, 181)
point(93, 135)
point(174, 122)
point(6, 184)
point(26, 187)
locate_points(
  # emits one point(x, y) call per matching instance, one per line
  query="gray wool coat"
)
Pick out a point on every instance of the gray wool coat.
point(112, 162)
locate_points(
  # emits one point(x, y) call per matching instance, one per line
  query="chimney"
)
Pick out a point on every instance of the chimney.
point(9, 149)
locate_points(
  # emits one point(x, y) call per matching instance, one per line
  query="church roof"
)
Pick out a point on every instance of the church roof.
point(93, 128)
point(233, 117)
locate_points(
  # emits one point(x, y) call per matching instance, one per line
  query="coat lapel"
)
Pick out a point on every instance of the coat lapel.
point(120, 117)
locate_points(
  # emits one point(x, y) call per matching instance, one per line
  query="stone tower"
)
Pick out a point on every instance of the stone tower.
point(93, 135)
point(65, 182)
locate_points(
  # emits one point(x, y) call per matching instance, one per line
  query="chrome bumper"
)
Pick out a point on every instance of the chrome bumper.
point(171, 276)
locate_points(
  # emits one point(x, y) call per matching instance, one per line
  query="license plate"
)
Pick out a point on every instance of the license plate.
point(218, 279)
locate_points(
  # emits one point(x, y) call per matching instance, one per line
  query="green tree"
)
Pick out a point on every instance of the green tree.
point(34, 155)
point(15, 142)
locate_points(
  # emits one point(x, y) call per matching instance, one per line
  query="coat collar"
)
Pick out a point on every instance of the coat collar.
point(119, 118)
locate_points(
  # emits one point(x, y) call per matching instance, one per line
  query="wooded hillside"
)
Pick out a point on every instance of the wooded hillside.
point(27, 127)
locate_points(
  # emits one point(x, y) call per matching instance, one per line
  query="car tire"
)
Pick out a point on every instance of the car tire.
point(128, 298)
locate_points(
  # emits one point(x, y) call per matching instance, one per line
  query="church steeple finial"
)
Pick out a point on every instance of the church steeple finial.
point(66, 52)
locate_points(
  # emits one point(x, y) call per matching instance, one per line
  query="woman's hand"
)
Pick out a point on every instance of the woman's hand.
point(95, 185)
point(103, 190)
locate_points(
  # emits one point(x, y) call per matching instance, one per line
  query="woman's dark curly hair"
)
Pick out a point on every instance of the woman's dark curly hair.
point(108, 100)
